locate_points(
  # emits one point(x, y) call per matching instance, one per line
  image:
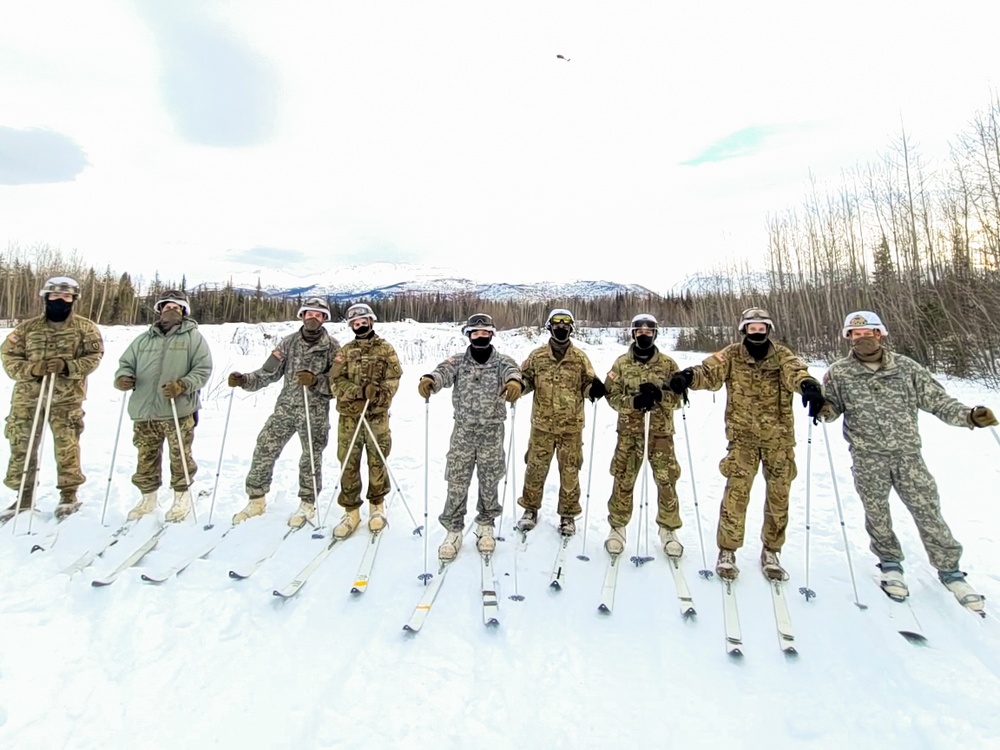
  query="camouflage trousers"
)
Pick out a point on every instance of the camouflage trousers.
point(350, 478)
point(148, 437)
point(568, 450)
point(874, 477)
point(277, 431)
point(740, 467)
point(65, 425)
point(479, 447)
point(625, 467)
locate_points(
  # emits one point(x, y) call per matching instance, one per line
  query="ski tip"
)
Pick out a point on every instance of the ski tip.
point(604, 609)
point(356, 590)
point(583, 557)
point(735, 652)
point(790, 651)
point(98, 583)
point(493, 623)
point(36, 548)
point(689, 613)
point(408, 629)
point(913, 637)
point(235, 576)
point(147, 579)
point(555, 586)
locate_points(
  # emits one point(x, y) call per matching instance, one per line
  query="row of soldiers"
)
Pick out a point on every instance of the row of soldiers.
point(877, 391)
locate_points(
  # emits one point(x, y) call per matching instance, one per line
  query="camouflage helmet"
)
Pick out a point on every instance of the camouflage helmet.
point(175, 296)
point(560, 315)
point(644, 319)
point(479, 322)
point(360, 310)
point(863, 319)
point(315, 304)
point(755, 315)
point(59, 285)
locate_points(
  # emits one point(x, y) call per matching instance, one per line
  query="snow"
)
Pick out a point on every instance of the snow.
point(203, 660)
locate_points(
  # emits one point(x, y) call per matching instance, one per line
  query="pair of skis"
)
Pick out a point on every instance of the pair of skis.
point(684, 599)
point(361, 580)
point(490, 600)
point(782, 619)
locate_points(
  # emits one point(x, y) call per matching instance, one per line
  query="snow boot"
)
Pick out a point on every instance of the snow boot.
point(254, 507)
point(967, 596)
point(376, 517)
point(449, 548)
point(304, 513)
point(615, 543)
point(892, 582)
point(725, 566)
point(348, 523)
point(144, 507)
point(670, 543)
point(68, 504)
point(567, 526)
point(771, 566)
point(527, 520)
point(485, 541)
point(180, 509)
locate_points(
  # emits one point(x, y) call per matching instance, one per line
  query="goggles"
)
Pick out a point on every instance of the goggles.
point(564, 319)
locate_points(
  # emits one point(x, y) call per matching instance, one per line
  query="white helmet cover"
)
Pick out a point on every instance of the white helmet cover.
point(863, 319)
point(360, 310)
point(60, 284)
point(316, 304)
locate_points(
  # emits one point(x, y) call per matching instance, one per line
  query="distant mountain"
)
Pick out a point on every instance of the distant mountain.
point(384, 280)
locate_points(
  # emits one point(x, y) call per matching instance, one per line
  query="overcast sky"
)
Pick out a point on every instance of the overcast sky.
point(207, 138)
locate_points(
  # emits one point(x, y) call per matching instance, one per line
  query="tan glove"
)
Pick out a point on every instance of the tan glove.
point(426, 387)
point(512, 391)
point(55, 366)
point(370, 392)
point(236, 379)
point(125, 383)
point(173, 389)
point(38, 369)
point(982, 416)
point(306, 378)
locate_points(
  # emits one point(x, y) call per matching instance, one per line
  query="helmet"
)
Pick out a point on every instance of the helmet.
point(644, 319)
point(360, 310)
point(863, 319)
point(60, 284)
point(175, 296)
point(478, 322)
point(560, 315)
point(316, 304)
point(755, 315)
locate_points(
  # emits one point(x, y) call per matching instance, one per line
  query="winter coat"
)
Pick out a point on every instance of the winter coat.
point(361, 362)
point(622, 383)
point(560, 387)
point(478, 395)
point(296, 354)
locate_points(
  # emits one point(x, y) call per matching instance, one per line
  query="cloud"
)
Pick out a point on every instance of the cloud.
point(745, 142)
point(268, 257)
point(34, 156)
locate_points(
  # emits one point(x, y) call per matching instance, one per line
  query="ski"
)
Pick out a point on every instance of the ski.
point(559, 569)
point(96, 551)
point(491, 605)
point(367, 563)
point(782, 620)
point(905, 621)
point(185, 561)
point(607, 604)
point(293, 587)
point(48, 542)
point(684, 598)
point(423, 607)
point(131, 560)
point(731, 616)
point(249, 570)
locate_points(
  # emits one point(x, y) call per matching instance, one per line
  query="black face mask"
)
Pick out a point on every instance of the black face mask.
point(756, 338)
point(483, 342)
point(361, 331)
point(57, 310)
point(642, 341)
point(560, 334)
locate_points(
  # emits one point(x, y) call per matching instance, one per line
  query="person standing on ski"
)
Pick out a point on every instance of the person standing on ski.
point(561, 376)
point(761, 377)
point(879, 394)
point(483, 380)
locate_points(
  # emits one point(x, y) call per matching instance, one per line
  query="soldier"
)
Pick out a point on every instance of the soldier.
point(879, 393)
point(67, 347)
point(760, 376)
point(365, 371)
point(635, 387)
point(561, 376)
point(169, 362)
point(304, 359)
point(483, 379)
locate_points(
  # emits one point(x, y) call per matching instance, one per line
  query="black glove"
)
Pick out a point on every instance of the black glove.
point(812, 397)
point(649, 396)
point(652, 390)
point(681, 380)
point(597, 390)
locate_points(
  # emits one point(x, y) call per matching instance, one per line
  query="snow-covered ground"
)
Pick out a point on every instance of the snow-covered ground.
point(206, 661)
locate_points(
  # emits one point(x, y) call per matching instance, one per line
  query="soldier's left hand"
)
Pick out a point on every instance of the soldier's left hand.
point(512, 391)
point(812, 397)
point(597, 390)
point(38, 369)
point(173, 389)
point(55, 366)
point(370, 392)
point(651, 391)
point(306, 378)
point(982, 416)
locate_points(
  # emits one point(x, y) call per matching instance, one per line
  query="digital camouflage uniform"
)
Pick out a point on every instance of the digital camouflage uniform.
point(361, 362)
point(622, 384)
point(477, 438)
point(760, 430)
point(289, 417)
point(560, 386)
point(880, 426)
point(76, 340)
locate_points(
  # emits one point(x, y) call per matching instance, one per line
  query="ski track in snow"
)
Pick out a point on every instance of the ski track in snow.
point(203, 660)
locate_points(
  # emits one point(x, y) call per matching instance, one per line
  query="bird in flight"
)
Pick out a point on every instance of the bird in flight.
point(562, 58)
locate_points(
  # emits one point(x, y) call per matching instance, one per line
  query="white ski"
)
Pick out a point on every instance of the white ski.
point(491, 605)
point(559, 569)
point(97, 550)
point(181, 564)
point(131, 560)
point(423, 607)
point(292, 588)
point(367, 563)
point(684, 598)
point(607, 604)
point(905, 621)
point(249, 570)
point(48, 542)
point(734, 636)
point(782, 620)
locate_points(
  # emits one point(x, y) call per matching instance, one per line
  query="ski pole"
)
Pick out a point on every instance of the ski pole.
point(418, 529)
point(640, 559)
point(318, 534)
point(184, 464)
point(590, 473)
point(807, 592)
point(218, 467)
point(508, 471)
point(840, 512)
point(41, 439)
point(426, 575)
point(312, 454)
point(996, 437)
point(114, 454)
point(704, 572)
point(28, 457)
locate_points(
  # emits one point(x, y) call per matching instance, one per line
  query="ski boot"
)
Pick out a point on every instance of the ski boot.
point(485, 541)
point(449, 548)
point(527, 520)
point(954, 581)
point(348, 523)
point(181, 507)
point(725, 566)
point(68, 504)
point(771, 566)
point(891, 581)
point(670, 543)
point(615, 543)
point(376, 517)
point(567, 526)
point(303, 514)
point(254, 507)
point(144, 507)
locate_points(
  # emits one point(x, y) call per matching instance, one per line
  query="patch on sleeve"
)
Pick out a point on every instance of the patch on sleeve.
point(95, 345)
point(720, 355)
point(13, 338)
point(611, 375)
point(339, 357)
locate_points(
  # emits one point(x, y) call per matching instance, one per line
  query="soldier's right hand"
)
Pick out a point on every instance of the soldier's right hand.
point(643, 401)
point(125, 383)
point(38, 369)
point(236, 379)
point(306, 378)
point(426, 387)
point(982, 416)
point(681, 380)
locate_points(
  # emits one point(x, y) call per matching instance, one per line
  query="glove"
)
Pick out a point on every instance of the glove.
point(643, 401)
point(982, 416)
point(681, 380)
point(812, 397)
point(512, 391)
point(597, 390)
point(425, 387)
point(38, 369)
point(173, 389)
point(236, 379)
point(55, 366)
point(652, 390)
point(306, 378)
point(125, 383)
point(370, 392)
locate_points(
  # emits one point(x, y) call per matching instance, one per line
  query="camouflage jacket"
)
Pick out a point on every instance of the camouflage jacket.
point(758, 394)
point(76, 340)
point(559, 386)
point(623, 381)
point(880, 407)
point(478, 395)
point(361, 362)
point(296, 354)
